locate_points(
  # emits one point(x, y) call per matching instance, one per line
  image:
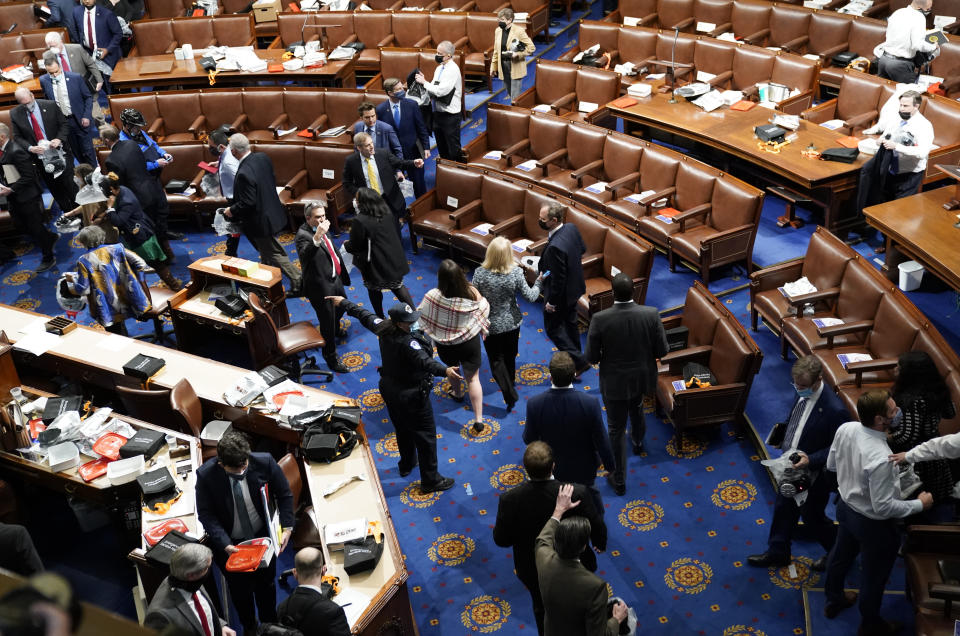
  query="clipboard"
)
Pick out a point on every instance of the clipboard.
point(10, 174)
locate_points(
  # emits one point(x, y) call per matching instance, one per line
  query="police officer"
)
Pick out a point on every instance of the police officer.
point(406, 378)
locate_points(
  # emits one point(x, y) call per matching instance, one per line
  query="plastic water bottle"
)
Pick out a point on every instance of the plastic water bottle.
point(469, 489)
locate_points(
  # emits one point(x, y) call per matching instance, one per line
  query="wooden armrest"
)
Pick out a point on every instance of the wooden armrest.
point(720, 78)
point(880, 364)
point(944, 591)
point(292, 185)
point(552, 157)
point(671, 321)
point(697, 211)
point(591, 259)
point(656, 196)
point(281, 119)
point(459, 44)
point(563, 101)
point(433, 6)
point(465, 212)
point(276, 43)
point(425, 40)
point(687, 355)
point(537, 246)
point(195, 182)
point(817, 296)
point(523, 144)
point(860, 120)
point(758, 37)
point(626, 181)
point(841, 330)
point(197, 124)
point(650, 18)
point(238, 122)
point(171, 47)
point(155, 127)
point(833, 50)
point(318, 123)
point(470, 6)
point(350, 39)
point(776, 275)
point(585, 169)
point(821, 112)
point(683, 24)
point(794, 45)
point(387, 41)
point(721, 29)
point(728, 233)
point(504, 226)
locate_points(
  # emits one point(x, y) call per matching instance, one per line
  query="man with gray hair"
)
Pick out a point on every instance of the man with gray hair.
point(258, 209)
point(181, 601)
point(74, 59)
point(307, 609)
point(73, 98)
point(446, 95)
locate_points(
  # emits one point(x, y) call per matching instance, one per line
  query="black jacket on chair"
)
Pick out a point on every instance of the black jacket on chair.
point(314, 615)
point(255, 201)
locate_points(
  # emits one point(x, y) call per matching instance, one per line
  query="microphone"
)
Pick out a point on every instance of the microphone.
point(303, 28)
point(673, 61)
point(10, 30)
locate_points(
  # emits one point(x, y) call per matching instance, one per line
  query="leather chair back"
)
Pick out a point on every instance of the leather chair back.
point(694, 186)
point(9, 44)
point(860, 292)
point(731, 355)
point(547, 135)
point(733, 205)
point(325, 158)
point(179, 110)
point(787, 23)
point(621, 156)
point(658, 169)
point(339, 26)
point(262, 332)
point(627, 253)
point(287, 159)
point(859, 93)
point(376, 97)
point(448, 26)
point(37, 39)
point(186, 407)
point(304, 106)
point(700, 317)
point(945, 65)
point(827, 30)
point(261, 106)
point(18, 16)
point(751, 64)
point(593, 231)
point(185, 160)
point(372, 27)
point(291, 470)
point(409, 27)
point(637, 8)
point(895, 328)
point(554, 80)
point(506, 127)
point(5, 117)
point(153, 36)
point(864, 36)
point(480, 30)
point(686, 48)
point(637, 45)
point(534, 201)
point(341, 108)
point(602, 33)
point(597, 85)
point(795, 71)
point(457, 186)
point(932, 342)
point(233, 30)
point(944, 116)
point(166, 8)
point(673, 12)
point(502, 199)
point(750, 17)
point(584, 144)
point(716, 12)
point(198, 32)
point(221, 107)
point(825, 261)
point(713, 56)
point(147, 405)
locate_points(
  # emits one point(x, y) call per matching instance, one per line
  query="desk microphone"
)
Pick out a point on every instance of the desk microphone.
point(10, 30)
point(673, 68)
point(303, 28)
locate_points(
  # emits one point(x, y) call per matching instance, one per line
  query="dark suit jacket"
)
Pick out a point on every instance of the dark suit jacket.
point(17, 552)
point(215, 497)
point(818, 431)
point(81, 62)
point(626, 340)
point(384, 136)
point(523, 510)
point(319, 275)
point(564, 286)
point(61, 14)
point(126, 160)
point(26, 187)
point(574, 599)
point(314, 615)
point(411, 129)
point(169, 607)
point(107, 28)
point(81, 102)
point(54, 124)
point(572, 423)
point(387, 166)
point(255, 201)
point(131, 221)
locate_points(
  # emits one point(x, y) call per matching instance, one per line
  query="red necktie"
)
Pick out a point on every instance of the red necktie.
point(202, 614)
point(333, 254)
point(36, 127)
point(64, 63)
point(90, 29)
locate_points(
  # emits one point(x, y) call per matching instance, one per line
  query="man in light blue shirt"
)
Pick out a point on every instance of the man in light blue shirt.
point(870, 503)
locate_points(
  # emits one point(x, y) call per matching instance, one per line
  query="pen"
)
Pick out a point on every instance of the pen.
point(346, 604)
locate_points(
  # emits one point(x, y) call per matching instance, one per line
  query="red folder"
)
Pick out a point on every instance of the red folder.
point(743, 105)
point(203, 165)
point(848, 142)
point(623, 102)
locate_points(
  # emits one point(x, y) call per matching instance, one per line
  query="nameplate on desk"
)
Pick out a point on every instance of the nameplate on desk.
point(629, 21)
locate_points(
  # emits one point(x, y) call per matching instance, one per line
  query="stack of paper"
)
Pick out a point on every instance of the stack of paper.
point(832, 124)
point(333, 132)
point(639, 90)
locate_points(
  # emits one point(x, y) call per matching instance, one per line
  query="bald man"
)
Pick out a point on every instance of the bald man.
point(306, 608)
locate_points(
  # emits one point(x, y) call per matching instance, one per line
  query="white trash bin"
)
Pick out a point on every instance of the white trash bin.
point(911, 273)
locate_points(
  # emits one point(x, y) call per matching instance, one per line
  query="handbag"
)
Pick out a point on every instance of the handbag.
point(843, 155)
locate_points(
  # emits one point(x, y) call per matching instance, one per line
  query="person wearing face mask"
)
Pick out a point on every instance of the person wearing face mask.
point(905, 139)
point(181, 601)
point(446, 93)
point(74, 59)
point(100, 34)
point(511, 45)
point(405, 117)
point(812, 421)
point(230, 505)
point(324, 274)
point(906, 38)
point(867, 512)
point(70, 93)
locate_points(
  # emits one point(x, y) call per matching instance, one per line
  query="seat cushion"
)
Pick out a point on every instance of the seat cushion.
point(475, 63)
point(655, 230)
point(626, 212)
point(470, 243)
point(561, 182)
point(802, 334)
point(178, 137)
point(260, 135)
point(835, 375)
point(772, 306)
point(687, 244)
point(297, 337)
point(435, 223)
point(500, 165)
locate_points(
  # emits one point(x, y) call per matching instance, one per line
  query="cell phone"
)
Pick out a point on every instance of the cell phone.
point(546, 273)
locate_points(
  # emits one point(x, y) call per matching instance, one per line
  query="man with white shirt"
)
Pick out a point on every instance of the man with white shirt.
point(446, 94)
point(896, 171)
point(181, 601)
point(870, 503)
point(906, 36)
point(306, 608)
point(813, 419)
point(226, 165)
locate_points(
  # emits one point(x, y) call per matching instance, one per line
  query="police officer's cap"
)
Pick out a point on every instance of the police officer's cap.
point(402, 312)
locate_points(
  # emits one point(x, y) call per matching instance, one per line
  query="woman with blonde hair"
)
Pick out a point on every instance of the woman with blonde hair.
point(499, 279)
point(454, 315)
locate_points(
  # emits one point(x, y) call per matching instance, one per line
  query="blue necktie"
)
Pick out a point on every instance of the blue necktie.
point(396, 114)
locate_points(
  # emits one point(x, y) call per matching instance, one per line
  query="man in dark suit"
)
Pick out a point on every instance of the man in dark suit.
point(626, 340)
point(405, 117)
point(574, 599)
point(306, 608)
point(522, 511)
point(127, 161)
point(814, 417)
point(99, 32)
point(572, 423)
point(564, 284)
point(17, 552)
point(181, 602)
point(34, 121)
point(384, 135)
point(74, 59)
point(257, 207)
point(230, 505)
point(21, 187)
point(70, 92)
point(324, 274)
point(61, 15)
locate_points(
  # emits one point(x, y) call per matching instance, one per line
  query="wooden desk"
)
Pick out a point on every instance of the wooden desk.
point(7, 90)
point(385, 585)
point(919, 227)
point(833, 185)
point(195, 316)
point(127, 75)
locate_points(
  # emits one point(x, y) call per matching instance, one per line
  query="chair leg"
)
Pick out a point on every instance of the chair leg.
point(309, 365)
point(158, 336)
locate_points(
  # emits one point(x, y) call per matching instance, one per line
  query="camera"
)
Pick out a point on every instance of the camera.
point(794, 480)
point(98, 54)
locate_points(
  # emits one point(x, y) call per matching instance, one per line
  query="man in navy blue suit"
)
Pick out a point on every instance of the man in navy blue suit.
point(405, 117)
point(814, 418)
point(384, 136)
point(70, 92)
point(61, 15)
point(562, 283)
point(99, 32)
point(572, 423)
point(230, 506)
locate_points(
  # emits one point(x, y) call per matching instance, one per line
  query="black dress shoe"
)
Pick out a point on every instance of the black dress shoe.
point(619, 490)
point(341, 334)
point(46, 264)
point(767, 559)
point(820, 564)
point(336, 366)
point(174, 236)
point(638, 448)
point(406, 471)
point(445, 483)
point(831, 610)
point(477, 427)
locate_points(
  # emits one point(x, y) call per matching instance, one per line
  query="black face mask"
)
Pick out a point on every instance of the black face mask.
point(905, 116)
point(187, 586)
point(213, 151)
point(438, 58)
point(543, 225)
point(502, 24)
